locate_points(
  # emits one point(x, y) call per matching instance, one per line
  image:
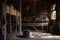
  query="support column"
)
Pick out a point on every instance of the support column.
point(4, 13)
point(21, 17)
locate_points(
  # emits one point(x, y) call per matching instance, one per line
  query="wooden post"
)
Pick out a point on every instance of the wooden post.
point(21, 17)
point(4, 13)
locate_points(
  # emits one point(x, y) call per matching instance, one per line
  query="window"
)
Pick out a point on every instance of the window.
point(53, 12)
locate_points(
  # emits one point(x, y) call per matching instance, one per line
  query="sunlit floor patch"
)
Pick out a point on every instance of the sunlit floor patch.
point(54, 37)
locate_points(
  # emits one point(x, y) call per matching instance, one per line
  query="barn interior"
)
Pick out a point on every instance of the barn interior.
point(21, 18)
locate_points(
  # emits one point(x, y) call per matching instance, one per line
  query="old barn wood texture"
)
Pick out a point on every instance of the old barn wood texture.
point(14, 11)
point(11, 10)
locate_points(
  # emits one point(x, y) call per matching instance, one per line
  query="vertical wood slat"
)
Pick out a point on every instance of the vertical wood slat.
point(16, 19)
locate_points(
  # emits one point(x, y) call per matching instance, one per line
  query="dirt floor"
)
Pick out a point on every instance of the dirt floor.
point(33, 39)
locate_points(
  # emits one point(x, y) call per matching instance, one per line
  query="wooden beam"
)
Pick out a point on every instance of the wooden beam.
point(13, 11)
